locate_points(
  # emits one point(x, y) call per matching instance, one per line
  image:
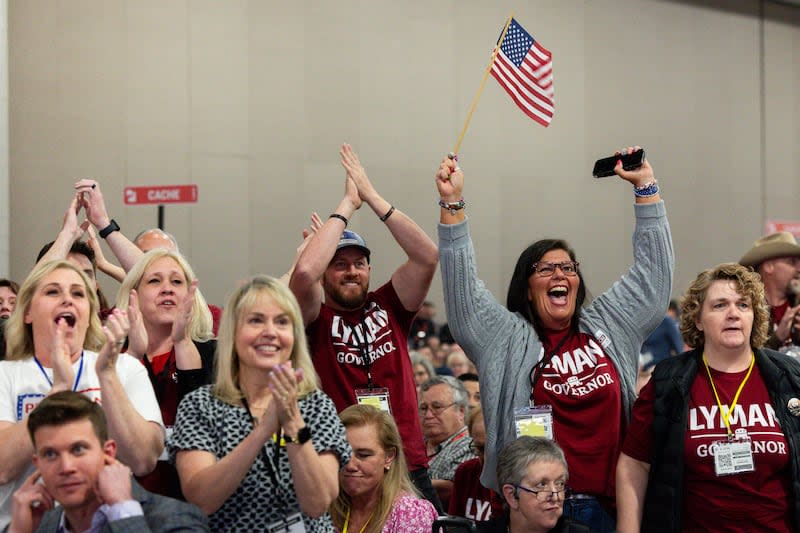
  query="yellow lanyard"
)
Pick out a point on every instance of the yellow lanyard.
point(726, 416)
point(347, 521)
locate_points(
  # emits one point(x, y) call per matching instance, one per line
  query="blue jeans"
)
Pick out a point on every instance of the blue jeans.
point(590, 512)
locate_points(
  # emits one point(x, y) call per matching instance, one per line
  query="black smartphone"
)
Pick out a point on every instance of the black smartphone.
point(605, 167)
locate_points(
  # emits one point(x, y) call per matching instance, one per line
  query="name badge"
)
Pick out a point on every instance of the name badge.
point(534, 421)
point(290, 524)
point(377, 397)
point(734, 456)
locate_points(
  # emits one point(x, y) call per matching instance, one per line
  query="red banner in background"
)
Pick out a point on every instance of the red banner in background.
point(792, 226)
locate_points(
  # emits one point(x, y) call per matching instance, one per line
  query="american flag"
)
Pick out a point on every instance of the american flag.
point(524, 68)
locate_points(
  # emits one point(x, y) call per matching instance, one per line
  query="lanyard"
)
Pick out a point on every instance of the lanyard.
point(544, 362)
point(347, 521)
point(363, 349)
point(273, 473)
point(726, 416)
point(440, 447)
point(50, 381)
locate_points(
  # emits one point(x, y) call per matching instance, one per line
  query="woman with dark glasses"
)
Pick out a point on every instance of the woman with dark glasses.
point(547, 364)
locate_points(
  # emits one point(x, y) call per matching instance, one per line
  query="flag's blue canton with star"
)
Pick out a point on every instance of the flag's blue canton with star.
point(517, 43)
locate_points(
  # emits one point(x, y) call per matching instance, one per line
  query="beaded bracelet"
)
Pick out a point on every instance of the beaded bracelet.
point(452, 206)
point(647, 190)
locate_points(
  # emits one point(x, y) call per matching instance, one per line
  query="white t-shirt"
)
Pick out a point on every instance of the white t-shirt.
point(23, 385)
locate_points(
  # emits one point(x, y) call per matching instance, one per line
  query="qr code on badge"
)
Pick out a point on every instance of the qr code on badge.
point(724, 461)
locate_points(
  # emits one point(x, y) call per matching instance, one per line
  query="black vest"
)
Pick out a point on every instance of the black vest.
point(672, 379)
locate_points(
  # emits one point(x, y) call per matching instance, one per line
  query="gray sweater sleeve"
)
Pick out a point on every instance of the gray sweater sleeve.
point(635, 305)
point(476, 319)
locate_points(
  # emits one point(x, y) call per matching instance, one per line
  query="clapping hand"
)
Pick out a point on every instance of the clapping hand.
point(61, 358)
point(116, 329)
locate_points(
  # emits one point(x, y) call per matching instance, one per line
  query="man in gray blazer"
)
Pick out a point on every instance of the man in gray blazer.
point(76, 467)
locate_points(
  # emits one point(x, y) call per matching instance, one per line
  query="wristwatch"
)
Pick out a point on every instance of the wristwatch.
point(108, 230)
point(303, 436)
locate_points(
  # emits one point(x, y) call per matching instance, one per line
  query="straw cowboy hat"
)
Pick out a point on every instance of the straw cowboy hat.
point(781, 244)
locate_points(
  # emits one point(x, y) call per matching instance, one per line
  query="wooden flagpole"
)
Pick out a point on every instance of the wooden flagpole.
point(482, 85)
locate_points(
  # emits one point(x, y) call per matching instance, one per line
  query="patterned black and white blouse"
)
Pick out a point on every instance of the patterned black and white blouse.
point(206, 423)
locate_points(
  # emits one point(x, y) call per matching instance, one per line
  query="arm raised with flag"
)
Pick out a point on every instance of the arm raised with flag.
point(549, 346)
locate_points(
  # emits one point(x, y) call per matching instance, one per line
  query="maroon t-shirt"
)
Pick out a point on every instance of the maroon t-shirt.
point(380, 328)
point(750, 501)
point(580, 383)
point(469, 498)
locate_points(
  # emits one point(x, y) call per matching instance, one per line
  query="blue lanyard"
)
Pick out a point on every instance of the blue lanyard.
point(50, 381)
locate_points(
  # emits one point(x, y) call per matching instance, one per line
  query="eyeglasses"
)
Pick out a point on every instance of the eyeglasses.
point(435, 408)
point(546, 269)
point(477, 449)
point(558, 490)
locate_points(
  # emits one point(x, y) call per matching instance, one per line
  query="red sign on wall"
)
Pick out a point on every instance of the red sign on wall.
point(161, 194)
point(792, 226)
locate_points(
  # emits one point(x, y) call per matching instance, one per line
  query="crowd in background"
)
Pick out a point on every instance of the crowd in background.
point(320, 401)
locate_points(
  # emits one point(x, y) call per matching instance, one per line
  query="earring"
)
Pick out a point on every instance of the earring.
point(386, 468)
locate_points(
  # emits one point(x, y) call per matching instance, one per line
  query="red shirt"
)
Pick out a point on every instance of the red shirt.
point(580, 383)
point(750, 501)
point(469, 498)
point(380, 327)
point(164, 478)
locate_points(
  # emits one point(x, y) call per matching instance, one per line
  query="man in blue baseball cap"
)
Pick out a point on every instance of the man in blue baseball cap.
point(358, 338)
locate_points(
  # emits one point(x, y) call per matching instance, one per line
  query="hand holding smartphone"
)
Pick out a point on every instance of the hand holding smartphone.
point(605, 167)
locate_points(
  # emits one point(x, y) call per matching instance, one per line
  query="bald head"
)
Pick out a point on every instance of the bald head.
point(155, 238)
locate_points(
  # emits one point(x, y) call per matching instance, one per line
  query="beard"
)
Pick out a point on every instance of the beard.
point(346, 299)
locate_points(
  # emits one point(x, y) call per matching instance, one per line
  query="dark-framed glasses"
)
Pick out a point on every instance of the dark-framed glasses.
point(435, 408)
point(558, 490)
point(546, 269)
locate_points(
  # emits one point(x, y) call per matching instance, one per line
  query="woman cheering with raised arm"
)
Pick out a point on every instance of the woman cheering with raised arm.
point(576, 365)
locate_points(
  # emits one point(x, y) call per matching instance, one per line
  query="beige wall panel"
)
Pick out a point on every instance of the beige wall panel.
point(251, 101)
point(156, 91)
point(781, 114)
point(218, 77)
point(220, 251)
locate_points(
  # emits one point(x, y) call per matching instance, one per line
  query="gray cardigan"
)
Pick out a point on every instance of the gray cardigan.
point(504, 346)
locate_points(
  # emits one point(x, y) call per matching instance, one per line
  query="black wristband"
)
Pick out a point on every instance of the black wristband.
point(340, 217)
point(385, 217)
point(303, 436)
point(108, 230)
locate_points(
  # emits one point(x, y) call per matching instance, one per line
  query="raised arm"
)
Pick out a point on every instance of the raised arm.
point(413, 278)
point(637, 302)
point(475, 317)
point(308, 234)
point(632, 476)
point(140, 441)
point(92, 200)
point(310, 267)
point(104, 265)
point(70, 232)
